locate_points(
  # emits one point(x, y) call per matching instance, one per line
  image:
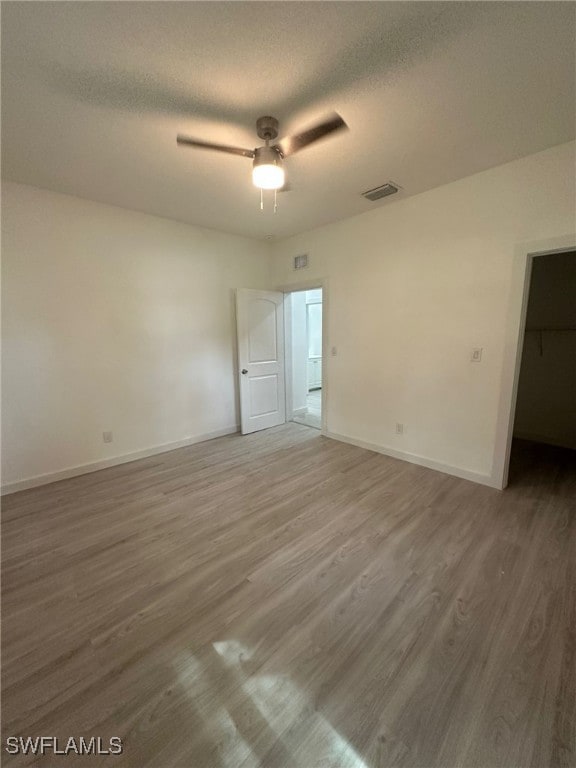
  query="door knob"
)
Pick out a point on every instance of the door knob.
point(244, 371)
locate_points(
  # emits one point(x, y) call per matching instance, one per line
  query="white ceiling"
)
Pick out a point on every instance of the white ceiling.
point(93, 95)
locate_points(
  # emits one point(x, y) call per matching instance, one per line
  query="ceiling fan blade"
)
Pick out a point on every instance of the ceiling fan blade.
point(189, 141)
point(291, 144)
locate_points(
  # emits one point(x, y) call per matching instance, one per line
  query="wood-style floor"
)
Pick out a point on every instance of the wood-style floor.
point(283, 600)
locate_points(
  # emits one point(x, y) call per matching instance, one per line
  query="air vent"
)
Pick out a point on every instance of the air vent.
point(301, 262)
point(383, 191)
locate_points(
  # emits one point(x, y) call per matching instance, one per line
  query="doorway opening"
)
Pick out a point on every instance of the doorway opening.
point(304, 357)
point(545, 414)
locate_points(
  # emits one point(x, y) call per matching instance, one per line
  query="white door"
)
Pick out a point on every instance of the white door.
point(260, 321)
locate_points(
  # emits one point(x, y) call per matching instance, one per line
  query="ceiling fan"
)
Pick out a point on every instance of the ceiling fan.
point(267, 166)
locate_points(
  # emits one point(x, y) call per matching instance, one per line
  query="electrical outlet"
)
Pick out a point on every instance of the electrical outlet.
point(476, 355)
point(399, 428)
point(107, 437)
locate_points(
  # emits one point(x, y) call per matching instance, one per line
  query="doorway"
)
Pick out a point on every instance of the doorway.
point(545, 413)
point(304, 345)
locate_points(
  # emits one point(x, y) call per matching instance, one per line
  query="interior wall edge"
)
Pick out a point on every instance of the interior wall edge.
point(113, 461)
point(421, 461)
point(113, 321)
point(415, 286)
point(136, 212)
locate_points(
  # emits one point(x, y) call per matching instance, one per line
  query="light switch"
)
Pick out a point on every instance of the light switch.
point(333, 351)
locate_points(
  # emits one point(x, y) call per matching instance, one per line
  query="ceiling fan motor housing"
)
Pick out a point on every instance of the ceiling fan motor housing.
point(267, 156)
point(267, 128)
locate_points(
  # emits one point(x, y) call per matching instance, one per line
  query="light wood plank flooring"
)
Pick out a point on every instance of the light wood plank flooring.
point(282, 600)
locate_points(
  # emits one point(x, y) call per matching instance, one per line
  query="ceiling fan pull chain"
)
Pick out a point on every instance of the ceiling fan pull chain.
point(275, 201)
point(261, 199)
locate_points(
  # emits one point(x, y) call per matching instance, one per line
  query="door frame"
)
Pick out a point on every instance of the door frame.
point(513, 345)
point(306, 285)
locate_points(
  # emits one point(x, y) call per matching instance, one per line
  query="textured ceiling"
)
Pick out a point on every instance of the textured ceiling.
point(94, 93)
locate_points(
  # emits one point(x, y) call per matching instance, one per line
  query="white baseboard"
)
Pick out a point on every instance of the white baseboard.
point(422, 461)
point(95, 466)
point(300, 411)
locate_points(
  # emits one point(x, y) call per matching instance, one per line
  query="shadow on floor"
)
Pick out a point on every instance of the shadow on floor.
point(536, 463)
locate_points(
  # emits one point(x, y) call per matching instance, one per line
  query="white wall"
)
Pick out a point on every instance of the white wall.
point(413, 286)
point(113, 320)
point(546, 405)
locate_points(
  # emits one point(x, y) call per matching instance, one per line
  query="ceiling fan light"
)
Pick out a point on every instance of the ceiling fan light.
point(268, 176)
point(267, 171)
